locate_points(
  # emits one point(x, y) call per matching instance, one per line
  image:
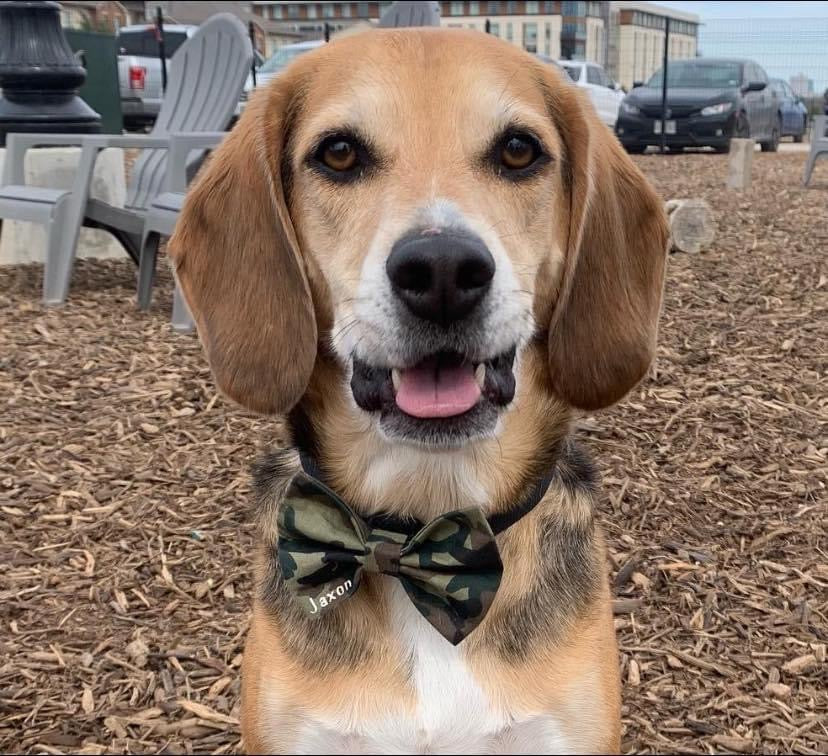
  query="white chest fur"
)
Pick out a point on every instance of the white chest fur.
point(453, 713)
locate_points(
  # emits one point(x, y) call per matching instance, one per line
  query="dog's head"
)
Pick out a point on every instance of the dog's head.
point(425, 203)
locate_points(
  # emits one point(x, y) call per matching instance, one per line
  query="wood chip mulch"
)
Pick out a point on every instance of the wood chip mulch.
point(125, 539)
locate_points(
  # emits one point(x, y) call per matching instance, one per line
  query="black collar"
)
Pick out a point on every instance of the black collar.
point(410, 525)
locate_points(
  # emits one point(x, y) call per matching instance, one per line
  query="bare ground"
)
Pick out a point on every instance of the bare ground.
point(125, 537)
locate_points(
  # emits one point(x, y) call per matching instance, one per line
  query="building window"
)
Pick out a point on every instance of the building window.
point(456, 9)
point(362, 10)
point(548, 7)
point(494, 8)
point(346, 10)
point(276, 11)
point(530, 37)
point(511, 7)
point(474, 8)
point(575, 29)
point(573, 9)
point(509, 31)
point(328, 10)
point(531, 8)
point(312, 10)
point(293, 10)
point(494, 29)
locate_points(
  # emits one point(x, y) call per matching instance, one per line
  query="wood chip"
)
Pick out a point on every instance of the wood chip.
point(778, 690)
point(205, 712)
point(734, 743)
point(800, 665)
point(87, 701)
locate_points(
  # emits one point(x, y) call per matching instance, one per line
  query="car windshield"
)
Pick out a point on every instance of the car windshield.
point(282, 57)
point(573, 71)
point(699, 75)
point(144, 42)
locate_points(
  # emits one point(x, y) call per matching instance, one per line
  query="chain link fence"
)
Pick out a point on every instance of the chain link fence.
point(794, 50)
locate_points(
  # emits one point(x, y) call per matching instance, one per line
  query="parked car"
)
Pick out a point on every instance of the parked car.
point(551, 62)
point(605, 94)
point(793, 115)
point(139, 69)
point(709, 101)
point(277, 62)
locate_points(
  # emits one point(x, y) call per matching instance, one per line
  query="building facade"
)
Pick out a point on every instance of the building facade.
point(550, 27)
point(627, 38)
point(99, 16)
point(801, 85)
point(637, 48)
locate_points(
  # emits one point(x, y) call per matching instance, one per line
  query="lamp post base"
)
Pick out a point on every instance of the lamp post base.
point(39, 75)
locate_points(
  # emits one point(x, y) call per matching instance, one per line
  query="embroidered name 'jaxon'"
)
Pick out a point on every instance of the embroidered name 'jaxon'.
point(325, 599)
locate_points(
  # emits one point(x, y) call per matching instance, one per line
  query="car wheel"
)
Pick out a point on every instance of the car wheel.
point(741, 130)
point(801, 135)
point(772, 145)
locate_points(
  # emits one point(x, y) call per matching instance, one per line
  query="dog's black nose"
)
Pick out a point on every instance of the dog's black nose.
point(440, 276)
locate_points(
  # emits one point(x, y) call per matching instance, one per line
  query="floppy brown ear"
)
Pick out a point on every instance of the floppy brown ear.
point(239, 265)
point(603, 330)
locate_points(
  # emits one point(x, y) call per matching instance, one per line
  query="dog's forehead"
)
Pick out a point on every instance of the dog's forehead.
point(406, 83)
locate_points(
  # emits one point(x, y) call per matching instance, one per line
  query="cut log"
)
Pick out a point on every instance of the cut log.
point(740, 163)
point(692, 227)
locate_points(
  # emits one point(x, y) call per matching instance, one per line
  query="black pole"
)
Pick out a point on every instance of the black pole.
point(664, 86)
point(327, 32)
point(252, 31)
point(488, 26)
point(162, 53)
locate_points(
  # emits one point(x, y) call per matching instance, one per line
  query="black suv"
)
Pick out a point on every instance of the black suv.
point(709, 101)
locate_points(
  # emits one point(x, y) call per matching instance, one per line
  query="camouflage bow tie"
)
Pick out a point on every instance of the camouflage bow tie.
point(450, 568)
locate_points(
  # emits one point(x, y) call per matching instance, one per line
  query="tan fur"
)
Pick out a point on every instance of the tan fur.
point(377, 688)
point(269, 256)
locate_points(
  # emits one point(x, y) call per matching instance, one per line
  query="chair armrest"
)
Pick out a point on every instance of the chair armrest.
point(18, 144)
point(181, 145)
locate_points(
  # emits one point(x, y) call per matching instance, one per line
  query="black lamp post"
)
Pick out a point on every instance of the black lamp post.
point(39, 74)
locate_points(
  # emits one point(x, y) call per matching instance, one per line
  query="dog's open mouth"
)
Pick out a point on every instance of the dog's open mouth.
point(445, 397)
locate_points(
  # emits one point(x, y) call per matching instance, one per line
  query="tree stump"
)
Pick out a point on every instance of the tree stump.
point(692, 227)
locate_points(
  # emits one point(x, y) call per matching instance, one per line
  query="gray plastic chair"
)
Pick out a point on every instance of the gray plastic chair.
point(207, 75)
point(161, 219)
point(819, 146)
point(410, 14)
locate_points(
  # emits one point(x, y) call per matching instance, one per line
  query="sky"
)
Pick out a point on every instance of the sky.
point(742, 9)
point(786, 38)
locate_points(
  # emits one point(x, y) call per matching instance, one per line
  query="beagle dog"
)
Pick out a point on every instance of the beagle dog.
point(424, 249)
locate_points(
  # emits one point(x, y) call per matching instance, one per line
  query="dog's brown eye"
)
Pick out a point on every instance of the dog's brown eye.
point(339, 155)
point(518, 152)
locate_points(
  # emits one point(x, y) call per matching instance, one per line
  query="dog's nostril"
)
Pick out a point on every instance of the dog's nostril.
point(440, 277)
point(475, 272)
point(413, 275)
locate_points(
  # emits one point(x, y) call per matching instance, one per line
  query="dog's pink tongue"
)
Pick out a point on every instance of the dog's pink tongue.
point(432, 390)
